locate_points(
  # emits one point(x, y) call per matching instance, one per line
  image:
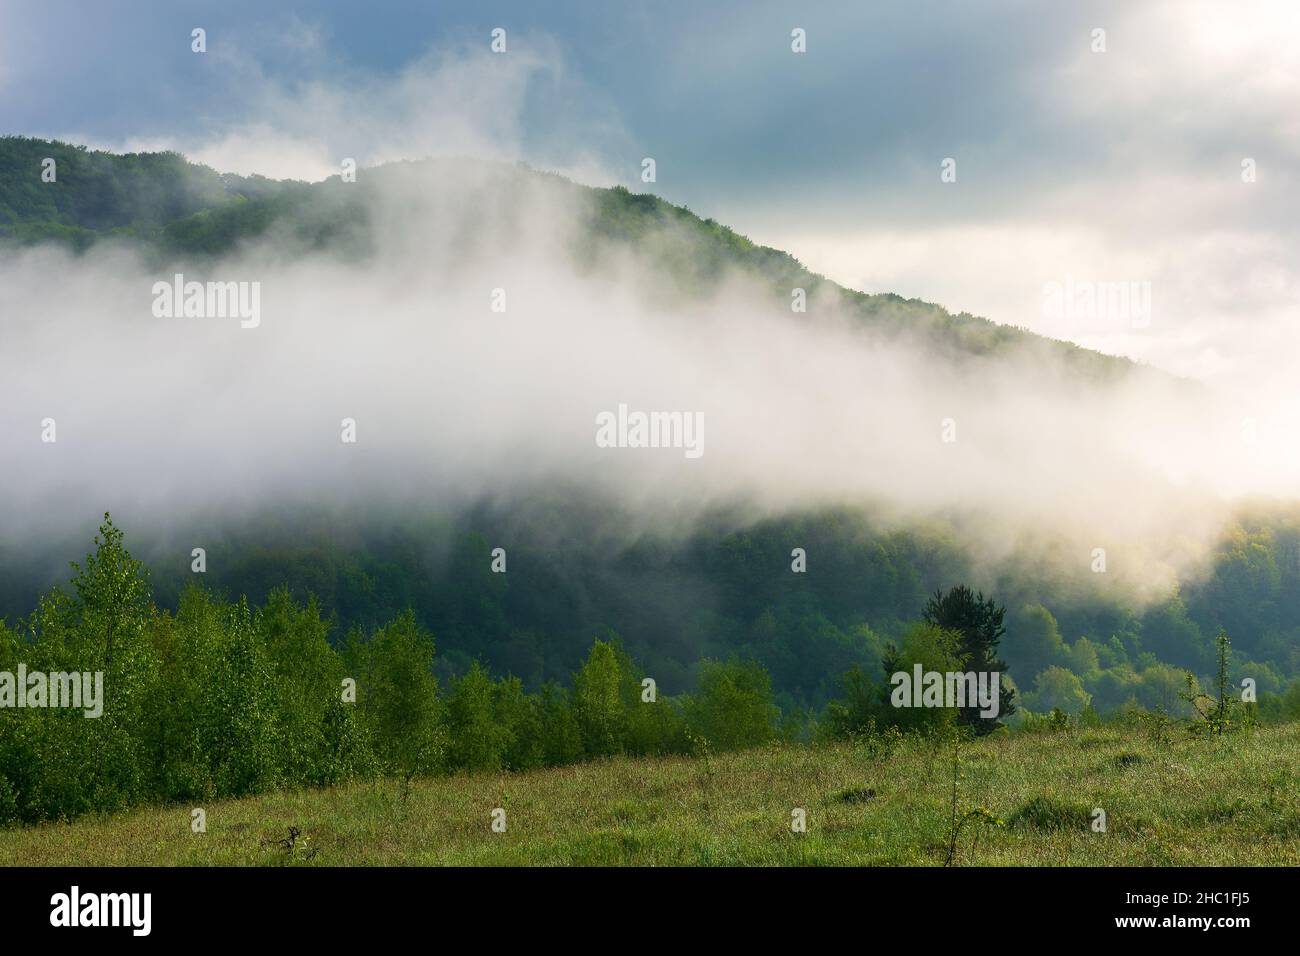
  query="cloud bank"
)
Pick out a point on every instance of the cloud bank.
point(453, 401)
point(474, 355)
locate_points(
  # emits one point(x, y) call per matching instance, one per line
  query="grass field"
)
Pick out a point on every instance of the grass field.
point(1182, 801)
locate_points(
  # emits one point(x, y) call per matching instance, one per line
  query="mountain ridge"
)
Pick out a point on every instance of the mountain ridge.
point(174, 209)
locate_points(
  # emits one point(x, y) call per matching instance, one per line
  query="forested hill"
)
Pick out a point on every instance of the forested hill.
point(178, 209)
point(726, 589)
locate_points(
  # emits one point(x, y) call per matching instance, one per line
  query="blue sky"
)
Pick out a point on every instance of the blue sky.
point(1122, 165)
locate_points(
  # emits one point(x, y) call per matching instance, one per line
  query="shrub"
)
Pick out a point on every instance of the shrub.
point(733, 706)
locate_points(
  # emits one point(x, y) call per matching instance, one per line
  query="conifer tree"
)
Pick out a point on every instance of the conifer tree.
point(978, 622)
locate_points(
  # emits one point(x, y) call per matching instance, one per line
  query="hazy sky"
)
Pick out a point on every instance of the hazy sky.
point(1072, 165)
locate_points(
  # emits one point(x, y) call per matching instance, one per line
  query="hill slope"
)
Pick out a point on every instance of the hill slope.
point(180, 209)
point(726, 588)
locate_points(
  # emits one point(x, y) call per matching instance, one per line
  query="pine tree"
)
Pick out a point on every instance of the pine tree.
point(978, 621)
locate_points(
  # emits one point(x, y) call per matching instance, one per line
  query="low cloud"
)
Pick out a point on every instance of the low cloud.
point(453, 402)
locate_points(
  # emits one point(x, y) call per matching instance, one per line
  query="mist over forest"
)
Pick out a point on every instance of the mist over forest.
point(473, 320)
point(648, 435)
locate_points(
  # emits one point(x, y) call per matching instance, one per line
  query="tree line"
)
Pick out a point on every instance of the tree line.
point(219, 698)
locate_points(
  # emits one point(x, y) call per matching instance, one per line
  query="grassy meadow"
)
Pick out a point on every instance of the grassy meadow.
point(1169, 800)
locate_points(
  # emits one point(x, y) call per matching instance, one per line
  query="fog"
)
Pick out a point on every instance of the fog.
point(160, 418)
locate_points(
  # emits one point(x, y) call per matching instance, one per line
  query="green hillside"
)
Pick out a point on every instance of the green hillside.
point(178, 209)
point(232, 689)
point(724, 591)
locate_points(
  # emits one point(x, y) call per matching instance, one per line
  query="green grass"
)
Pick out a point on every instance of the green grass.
point(1209, 802)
